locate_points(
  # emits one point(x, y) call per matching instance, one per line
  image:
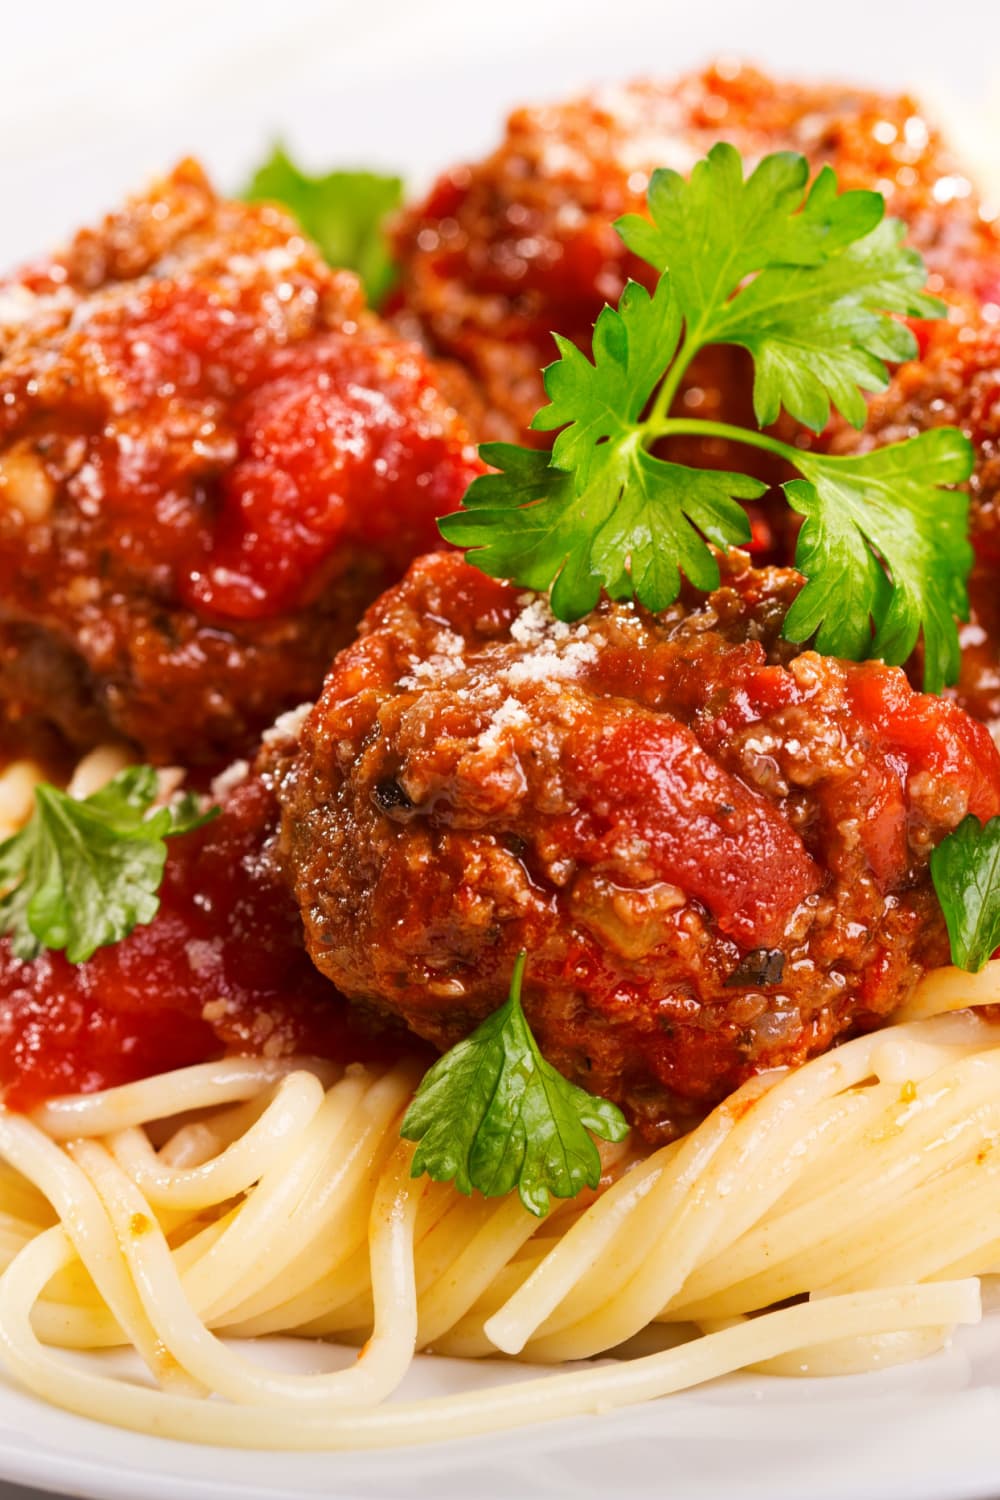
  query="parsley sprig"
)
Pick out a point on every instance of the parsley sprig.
point(493, 1115)
point(812, 283)
point(344, 212)
point(83, 873)
point(965, 868)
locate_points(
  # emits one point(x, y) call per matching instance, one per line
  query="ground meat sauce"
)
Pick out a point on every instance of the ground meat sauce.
point(212, 458)
point(957, 383)
point(504, 251)
point(714, 849)
point(221, 969)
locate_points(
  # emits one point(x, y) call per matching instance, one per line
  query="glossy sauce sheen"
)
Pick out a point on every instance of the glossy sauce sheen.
point(220, 969)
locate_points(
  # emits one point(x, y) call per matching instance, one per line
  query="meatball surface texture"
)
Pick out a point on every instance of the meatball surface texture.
point(506, 250)
point(714, 849)
point(212, 459)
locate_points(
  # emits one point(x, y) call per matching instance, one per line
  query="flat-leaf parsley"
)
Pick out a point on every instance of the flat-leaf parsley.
point(965, 868)
point(344, 212)
point(493, 1115)
point(811, 283)
point(83, 873)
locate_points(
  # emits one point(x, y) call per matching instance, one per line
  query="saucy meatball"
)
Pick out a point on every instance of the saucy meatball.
point(212, 459)
point(713, 846)
point(220, 969)
point(508, 249)
point(957, 383)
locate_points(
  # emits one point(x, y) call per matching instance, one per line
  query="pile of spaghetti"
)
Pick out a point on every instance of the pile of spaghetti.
point(826, 1219)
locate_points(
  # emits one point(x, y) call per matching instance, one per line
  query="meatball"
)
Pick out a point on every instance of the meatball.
point(957, 383)
point(220, 969)
point(212, 459)
point(713, 846)
point(506, 250)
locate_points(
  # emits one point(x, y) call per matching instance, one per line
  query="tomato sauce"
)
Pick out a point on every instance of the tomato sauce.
point(220, 970)
point(341, 454)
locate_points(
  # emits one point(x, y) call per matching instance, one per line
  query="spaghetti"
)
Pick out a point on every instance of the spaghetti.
point(242, 1198)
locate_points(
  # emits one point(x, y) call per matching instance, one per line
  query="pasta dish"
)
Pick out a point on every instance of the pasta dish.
point(500, 798)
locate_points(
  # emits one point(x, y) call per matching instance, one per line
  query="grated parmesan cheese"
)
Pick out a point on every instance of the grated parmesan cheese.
point(510, 715)
point(228, 780)
point(287, 727)
point(549, 665)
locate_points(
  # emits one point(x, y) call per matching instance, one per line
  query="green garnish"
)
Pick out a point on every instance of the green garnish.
point(83, 873)
point(965, 868)
point(493, 1115)
point(808, 283)
point(344, 212)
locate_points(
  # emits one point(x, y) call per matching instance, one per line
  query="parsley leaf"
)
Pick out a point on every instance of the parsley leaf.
point(82, 874)
point(822, 333)
point(594, 402)
point(812, 283)
point(528, 522)
point(965, 868)
point(886, 504)
point(715, 228)
point(663, 512)
point(344, 212)
point(817, 319)
point(493, 1115)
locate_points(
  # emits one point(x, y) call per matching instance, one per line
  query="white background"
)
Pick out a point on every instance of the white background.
point(97, 94)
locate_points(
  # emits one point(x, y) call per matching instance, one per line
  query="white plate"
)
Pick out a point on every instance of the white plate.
point(928, 1431)
point(98, 100)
